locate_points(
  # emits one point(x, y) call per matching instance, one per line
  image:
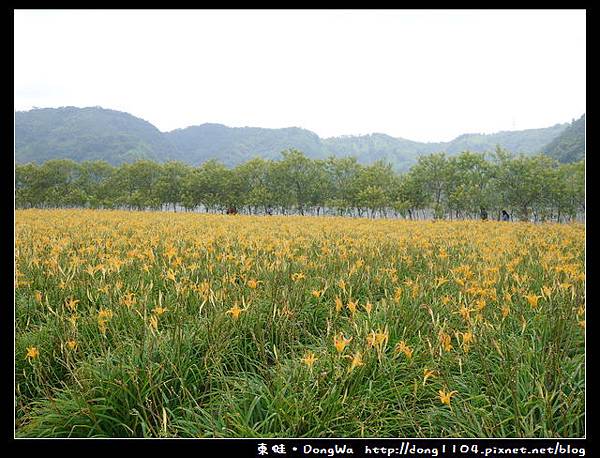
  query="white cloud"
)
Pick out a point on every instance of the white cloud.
point(422, 75)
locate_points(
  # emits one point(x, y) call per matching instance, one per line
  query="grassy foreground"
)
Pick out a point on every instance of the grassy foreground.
point(186, 325)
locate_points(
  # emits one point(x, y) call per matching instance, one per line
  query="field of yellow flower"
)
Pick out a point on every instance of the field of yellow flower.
point(190, 325)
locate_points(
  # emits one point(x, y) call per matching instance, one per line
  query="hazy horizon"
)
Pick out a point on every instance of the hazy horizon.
point(427, 76)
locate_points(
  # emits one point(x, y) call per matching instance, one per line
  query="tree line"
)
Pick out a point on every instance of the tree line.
point(468, 185)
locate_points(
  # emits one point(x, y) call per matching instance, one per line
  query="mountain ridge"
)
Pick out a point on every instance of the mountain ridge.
point(96, 133)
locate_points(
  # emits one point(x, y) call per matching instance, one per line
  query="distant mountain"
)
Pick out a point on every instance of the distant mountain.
point(234, 145)
point(403, 153)
point(99, 134)
point(87, 134)
point(530, 141)
point(569, 146)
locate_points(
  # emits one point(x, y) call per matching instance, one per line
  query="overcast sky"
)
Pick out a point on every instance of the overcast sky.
point(421, 75)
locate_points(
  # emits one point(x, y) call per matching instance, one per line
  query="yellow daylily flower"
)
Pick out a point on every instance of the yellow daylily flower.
point(340, 342)
point(445, 396)
point(32, 353)
point(309, 359)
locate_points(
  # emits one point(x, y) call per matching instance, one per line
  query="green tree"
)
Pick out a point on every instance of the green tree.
point(97, 177)
point(256, 182)
point(372, 188)
point(135, 185)
point(468, 185)
point(342, 173)
point(431, 175)
point(169, 186)
point(296, 181)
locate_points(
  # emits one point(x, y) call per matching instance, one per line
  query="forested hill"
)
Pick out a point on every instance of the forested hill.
point(84, 134)
point(530, 141)
point(403, 153)
point(569, 146)
point(116, 137)
point(399, 152)
point(236, 145)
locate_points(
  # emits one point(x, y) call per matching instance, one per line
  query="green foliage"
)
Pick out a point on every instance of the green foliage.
point(462, 186)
